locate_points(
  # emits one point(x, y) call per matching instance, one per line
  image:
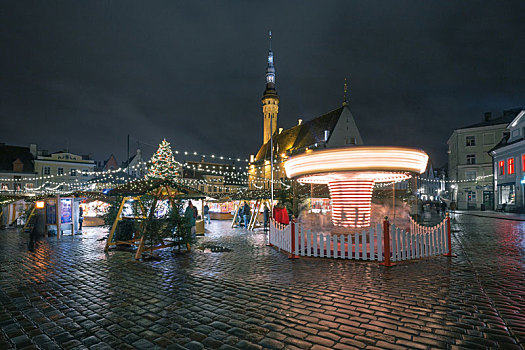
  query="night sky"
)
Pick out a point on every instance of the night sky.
point(85, 74)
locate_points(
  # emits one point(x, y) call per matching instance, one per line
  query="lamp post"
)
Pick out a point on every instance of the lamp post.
point(271, 158)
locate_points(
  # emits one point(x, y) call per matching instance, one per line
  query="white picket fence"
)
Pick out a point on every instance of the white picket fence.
point(415, 243)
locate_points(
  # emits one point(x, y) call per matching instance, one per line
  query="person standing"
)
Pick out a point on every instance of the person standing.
point(246, 214)
point(189, 214)
point(206, 213)
point(240, 214)
point(266, 217)
point(80, 217)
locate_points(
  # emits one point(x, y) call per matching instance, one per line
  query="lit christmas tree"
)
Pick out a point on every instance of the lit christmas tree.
point(163, 164)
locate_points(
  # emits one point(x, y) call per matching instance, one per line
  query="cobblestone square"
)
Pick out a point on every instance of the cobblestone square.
point(69, 294)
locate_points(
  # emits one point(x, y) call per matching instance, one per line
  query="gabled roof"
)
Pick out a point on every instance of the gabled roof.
point(302, 136)
point(8, 154)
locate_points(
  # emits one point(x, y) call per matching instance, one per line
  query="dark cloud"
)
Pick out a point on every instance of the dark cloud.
point(85, 74)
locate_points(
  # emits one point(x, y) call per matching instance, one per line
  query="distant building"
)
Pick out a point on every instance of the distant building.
point(509, 166)
point(108, 164)
point(333, 129)
point(17, 173)
point(136, 164)
point(470, 165)
point(63, 169)
point(214, 178)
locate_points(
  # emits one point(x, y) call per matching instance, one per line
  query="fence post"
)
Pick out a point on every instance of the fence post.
point(292, 253)
point(386, 240)
point(449, 238)
point(271, 223)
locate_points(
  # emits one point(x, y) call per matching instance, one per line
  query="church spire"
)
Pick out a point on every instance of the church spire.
point(270, 70)
point(270, 100)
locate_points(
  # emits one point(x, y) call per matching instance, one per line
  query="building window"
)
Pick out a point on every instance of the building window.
point(73, 172)
point(47, 170)
point(506, 194)
point(84, 172)
point(471, 196)
point(29, 186)
point(510, 166)
point(470, 175)
point(5, 187)
point(502, 167)
point(471, 141)
point(60, 171)
point(471, 159)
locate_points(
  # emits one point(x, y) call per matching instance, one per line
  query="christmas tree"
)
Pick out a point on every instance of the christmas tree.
point(163, 164)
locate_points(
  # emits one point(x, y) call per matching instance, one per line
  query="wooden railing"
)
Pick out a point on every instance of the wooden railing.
point(369, 244)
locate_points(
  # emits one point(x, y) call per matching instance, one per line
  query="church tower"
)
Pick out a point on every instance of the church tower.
point(270, 100)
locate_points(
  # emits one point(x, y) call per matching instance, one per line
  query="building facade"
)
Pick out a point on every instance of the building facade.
point(213, 179)
point(63, 169)
point(509, 167)
point(136, 166)
point(470, 165)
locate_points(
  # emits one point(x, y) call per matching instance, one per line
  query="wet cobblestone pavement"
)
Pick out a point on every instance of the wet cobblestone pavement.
point(69, 294)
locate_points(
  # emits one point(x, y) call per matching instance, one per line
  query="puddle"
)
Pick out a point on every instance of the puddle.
point(214, 249)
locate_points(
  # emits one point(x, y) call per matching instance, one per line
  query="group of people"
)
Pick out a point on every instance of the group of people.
point(244, 215)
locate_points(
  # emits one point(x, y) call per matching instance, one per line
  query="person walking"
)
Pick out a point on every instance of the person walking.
point(206, 213)
point(266, 216)
point(246, 214)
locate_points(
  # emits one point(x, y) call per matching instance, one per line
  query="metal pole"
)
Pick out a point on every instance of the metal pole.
point(394, 200)
point(128, 155)
point(271, 156)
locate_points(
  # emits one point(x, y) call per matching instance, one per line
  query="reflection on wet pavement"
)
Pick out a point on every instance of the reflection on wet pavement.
point(237, 293)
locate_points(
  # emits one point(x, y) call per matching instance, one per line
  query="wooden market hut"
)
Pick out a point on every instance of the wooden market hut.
point(160, 190)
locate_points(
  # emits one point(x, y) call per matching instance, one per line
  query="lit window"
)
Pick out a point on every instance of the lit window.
point(471, 159)
point(471, 141)
point(510, 166)
point(5, 187)
point(502, 167)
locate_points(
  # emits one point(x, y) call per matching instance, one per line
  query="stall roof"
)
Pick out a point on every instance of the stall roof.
point(141, 187)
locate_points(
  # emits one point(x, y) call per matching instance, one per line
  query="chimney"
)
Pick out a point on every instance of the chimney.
point(280, 130)
point(487, 116)
point(33, 150)
point(299, 121)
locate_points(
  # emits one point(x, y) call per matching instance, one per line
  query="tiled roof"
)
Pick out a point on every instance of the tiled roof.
point(301, 136)
point(507, 117)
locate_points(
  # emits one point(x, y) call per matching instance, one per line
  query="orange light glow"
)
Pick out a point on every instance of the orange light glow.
point(510, 165)
point(351, 174)
point(39, 204)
